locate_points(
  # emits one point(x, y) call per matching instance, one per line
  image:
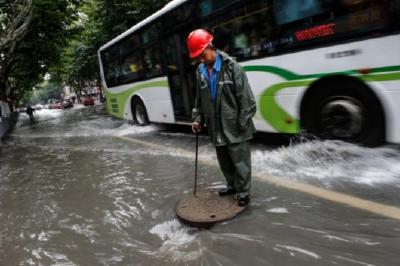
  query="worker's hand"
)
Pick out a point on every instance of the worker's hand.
point(196, 127)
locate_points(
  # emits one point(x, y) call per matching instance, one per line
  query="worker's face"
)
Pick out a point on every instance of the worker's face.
point(207, 56)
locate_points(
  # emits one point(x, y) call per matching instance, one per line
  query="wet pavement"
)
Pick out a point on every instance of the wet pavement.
point(82, 188)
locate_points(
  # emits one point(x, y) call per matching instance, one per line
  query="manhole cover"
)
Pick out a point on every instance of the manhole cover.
point(207, 208)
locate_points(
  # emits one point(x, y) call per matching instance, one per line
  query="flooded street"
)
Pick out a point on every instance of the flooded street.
point(82, 188)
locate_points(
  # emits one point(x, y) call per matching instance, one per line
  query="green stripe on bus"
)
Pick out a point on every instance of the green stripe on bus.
point(381, 77)
point(288, 75)
point(270, 110)
point(277, 117)
point(275, 70)
point(116, 101)
point(385, 69)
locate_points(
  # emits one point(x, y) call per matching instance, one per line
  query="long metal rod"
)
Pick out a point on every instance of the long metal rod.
point(195, 164)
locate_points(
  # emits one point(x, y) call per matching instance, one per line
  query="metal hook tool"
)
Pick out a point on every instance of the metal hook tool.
point(195, 164)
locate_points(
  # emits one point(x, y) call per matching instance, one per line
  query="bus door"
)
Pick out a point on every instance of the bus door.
point(181, 77)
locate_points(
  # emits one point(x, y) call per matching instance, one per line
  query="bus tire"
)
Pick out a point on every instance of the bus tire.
point(343, 108)
point(139, 112)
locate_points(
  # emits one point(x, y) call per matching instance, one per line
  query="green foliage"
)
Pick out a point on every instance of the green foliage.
point(47, 90)
point(60, 37)
point(42, 93)
point(35, 51)
point(101, 20)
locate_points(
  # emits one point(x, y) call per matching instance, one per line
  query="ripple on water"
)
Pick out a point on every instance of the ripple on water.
point(296, 250)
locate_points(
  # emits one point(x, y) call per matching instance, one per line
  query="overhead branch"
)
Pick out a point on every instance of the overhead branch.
point(20, 17)
point(17, 28)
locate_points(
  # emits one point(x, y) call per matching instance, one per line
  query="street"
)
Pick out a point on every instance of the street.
point(82, 188)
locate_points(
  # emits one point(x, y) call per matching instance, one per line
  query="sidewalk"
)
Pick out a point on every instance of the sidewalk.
point(7, 123)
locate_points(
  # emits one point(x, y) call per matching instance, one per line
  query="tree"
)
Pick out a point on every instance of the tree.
point(33, 34)
point(15, 19)
point(100, 21)
point(61, 37)
point(42, 93)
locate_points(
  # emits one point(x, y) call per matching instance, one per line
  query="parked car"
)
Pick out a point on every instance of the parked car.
point(67, 104)
point(88, 101)
point(56, 105)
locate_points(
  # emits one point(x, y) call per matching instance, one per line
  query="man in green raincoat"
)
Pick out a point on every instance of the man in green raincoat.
point(226, 105)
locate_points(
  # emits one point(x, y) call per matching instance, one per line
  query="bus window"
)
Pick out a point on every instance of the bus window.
point(263, 27)
point(350, 18)
point(207, 7)
point(169, 56)
point(324, 21)
point(244, 31)
point(132, 68)
point(112, 71)
point(152, 61)
point(177, 17)
point(288, 10)
point(395, 11)
point(149, 35)
point(151, 52)
point(129, 44)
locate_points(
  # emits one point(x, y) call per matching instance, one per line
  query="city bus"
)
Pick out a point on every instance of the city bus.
point(327, 67)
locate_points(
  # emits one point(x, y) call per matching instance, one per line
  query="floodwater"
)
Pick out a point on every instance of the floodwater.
point(75, 191)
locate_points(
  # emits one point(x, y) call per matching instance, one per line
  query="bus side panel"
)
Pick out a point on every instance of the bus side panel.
point(389, 95)
point(157, 101)
point(154, 93)
point(279, 82)
point(113, 103)
point(259, 81)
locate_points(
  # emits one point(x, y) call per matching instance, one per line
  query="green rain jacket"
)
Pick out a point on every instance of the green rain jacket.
point(229, 119)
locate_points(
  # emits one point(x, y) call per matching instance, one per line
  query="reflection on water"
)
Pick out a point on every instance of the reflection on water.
point(73, 194)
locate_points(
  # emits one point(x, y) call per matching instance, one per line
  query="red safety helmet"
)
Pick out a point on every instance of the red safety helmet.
point(197, 41)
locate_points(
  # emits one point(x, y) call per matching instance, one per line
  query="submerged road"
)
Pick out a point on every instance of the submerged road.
point(82, 188)
point(377, 208)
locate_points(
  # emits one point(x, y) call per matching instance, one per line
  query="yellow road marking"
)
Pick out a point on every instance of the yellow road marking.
point(362, 204)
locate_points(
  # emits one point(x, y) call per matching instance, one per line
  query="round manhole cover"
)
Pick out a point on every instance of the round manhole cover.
point(207, 208)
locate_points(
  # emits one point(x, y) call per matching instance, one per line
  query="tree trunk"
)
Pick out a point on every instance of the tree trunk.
point(14, 31)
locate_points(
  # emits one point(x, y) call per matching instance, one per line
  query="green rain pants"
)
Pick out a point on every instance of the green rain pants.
point(235, 163)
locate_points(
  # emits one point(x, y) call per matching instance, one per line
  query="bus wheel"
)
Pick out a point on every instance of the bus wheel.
point(347, 111)
point(139, 113)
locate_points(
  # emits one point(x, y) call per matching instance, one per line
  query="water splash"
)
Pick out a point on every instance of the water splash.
point(177, 240)
point(330, 160)
point(278, 210)
point(94, 128)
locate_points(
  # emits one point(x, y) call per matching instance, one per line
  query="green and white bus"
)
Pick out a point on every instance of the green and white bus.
point(331, 67)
